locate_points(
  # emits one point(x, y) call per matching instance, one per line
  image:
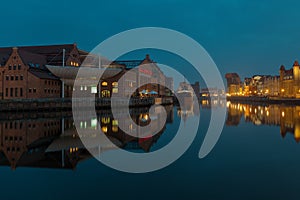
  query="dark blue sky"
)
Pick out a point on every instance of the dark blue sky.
point(248, 37)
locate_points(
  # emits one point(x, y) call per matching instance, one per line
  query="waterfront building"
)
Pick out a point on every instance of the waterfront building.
point(290, 81)
point(234, 84)
point(23, 73)
point(50, 71)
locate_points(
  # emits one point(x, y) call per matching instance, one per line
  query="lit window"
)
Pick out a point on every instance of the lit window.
point(71, 63)
point(104, 129)
point(115, 90)
point(115, 128)
point(104, 83)
point(115, 84)
point(105, 120)
point(85, 87)
point(115, 122)
point(94, 89)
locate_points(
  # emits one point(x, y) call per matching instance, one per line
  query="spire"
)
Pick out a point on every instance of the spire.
point(282, 67)
point(296, 63)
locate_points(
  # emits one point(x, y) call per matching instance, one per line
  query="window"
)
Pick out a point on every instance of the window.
point(11, 91)
point(21, 77)
point(115, 90)
point(19, 67)
point(29, 90)
point(34, 90)
point(21, 92)
point(6, 92)
point(115, 87)
point(105, 93)
point(94, 89)
point(16, 92)
point(9, 67)
point(17, 78)
point(12, 78)
point(104, 83)
point(7, 78)
point(15, 67)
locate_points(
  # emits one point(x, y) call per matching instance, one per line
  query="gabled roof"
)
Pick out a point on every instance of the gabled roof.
point(53, 53)
point(33, 60)
point(42, 74)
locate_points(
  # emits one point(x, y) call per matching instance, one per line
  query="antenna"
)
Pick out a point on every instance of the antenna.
point(63, 59)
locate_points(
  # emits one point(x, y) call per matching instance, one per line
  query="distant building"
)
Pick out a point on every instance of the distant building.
point(234, 84)
point(290, 81)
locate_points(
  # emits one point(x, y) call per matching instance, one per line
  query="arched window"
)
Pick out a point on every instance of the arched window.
point(105, 93)
point(104, 83)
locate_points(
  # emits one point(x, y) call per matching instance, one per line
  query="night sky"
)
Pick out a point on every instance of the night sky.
point(248, 37)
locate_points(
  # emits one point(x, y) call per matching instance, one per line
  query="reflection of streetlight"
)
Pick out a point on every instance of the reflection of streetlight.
point(282, 113)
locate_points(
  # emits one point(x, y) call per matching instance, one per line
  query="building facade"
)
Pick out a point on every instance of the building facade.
point(23, 73)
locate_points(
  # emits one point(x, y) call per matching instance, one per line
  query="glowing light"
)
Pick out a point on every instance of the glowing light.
point(104, 83)
point(282, 90)
point(104, 129)
point(268, 113)
point(282, 114)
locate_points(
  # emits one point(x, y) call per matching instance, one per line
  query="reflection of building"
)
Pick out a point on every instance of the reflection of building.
point(287, 117)
point(54, 143)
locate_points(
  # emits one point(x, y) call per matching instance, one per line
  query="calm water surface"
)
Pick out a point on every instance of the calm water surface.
point(257, 156)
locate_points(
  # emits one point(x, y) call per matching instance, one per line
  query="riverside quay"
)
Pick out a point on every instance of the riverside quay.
point(48, 72)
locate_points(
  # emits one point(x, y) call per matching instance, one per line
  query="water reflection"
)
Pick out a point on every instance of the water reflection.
point(287, 117)
point(53, 142)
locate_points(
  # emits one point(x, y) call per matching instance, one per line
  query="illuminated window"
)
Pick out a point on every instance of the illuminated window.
point(104, 129)
point(94, 89)
point(115, 87)
point(93, 123)
point(115, 129)
point(105, 93)
point(105, 120)
point(115, 90)
point(115, 122)
point(104, 83)
point(71, 63)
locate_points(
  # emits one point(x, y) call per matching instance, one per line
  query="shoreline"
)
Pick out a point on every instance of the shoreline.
point(59, 104)
point(264, 100)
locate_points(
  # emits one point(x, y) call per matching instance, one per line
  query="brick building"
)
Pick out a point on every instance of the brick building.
point(23, 73)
